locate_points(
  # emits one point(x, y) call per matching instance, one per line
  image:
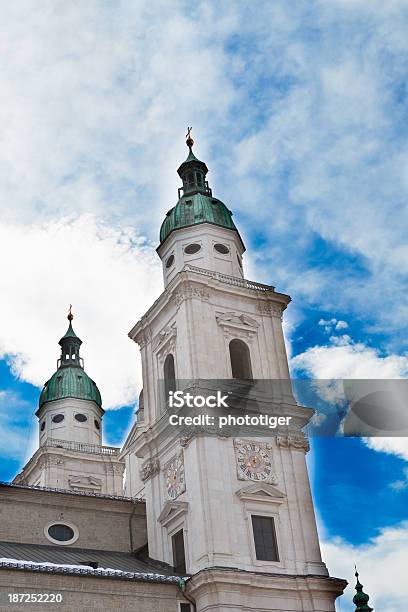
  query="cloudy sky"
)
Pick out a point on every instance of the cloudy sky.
point(300, 111)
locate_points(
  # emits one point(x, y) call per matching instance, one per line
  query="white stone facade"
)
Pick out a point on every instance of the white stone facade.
point(205, 305)
point(207, 237)
point(70, 454)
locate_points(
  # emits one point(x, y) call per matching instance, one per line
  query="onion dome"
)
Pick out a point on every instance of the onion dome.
point(361, 598)
point(70, 379)
point(196, 203)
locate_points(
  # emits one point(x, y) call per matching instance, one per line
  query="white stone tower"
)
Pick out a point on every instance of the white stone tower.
point(237, 513)
point(70, 413)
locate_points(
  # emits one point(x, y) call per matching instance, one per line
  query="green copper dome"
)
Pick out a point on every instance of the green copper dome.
point(196, 203)
point(195, 209)
point(70, 379)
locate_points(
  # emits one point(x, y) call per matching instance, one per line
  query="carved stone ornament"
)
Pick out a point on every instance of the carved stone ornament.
point(188, 291)
point(83, 483)
point(295, 441)
point(149, 469)
point(236, 325)
point(254, 461)
point(235, 319)
point(271, 309)
point(50, 460)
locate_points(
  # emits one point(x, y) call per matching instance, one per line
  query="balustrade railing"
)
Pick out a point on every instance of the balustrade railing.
point(230, 280)
point(82, 447)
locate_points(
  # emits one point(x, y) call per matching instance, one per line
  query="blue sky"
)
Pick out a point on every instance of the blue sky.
point(300, 111)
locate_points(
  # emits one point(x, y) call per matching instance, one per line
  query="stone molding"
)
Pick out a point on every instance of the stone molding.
point(172, 510)
point(144, 336)
point(261, 492)
point(167, 335)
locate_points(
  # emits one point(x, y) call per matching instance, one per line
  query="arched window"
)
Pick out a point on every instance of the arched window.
point(240, 359)
point(169, 376)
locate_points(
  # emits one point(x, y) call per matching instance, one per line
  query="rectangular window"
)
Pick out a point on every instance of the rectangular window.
point(179, 559)
point(266, 547)
point(185, 607)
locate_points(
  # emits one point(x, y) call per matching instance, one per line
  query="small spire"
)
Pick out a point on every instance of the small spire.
point(189, 139)
point(70, 315)
point(361, 598)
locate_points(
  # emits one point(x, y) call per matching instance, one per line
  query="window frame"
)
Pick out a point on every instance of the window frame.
point(258, 509)
point(173, 548)
point(273, 523)
point(166, 387)
point(59, 542)
point(248, 356)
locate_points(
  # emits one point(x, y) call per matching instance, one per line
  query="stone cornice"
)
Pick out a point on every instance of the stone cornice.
point(206, 578)
point(77, 499)
point(197, 282)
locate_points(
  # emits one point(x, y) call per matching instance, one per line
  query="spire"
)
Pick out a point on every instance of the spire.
point(193, 172)
point(360, 598)
point(70, 345)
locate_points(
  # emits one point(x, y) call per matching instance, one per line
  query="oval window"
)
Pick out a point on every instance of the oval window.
point(192, 248)
point(57, 418)
point(43, 426)
point(61, 532)
point(97, 424)
point(221, 248)
point(170, 261)
point(81, 418)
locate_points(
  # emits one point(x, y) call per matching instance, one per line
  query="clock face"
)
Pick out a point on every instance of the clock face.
point(254, 463)
point(174, 474)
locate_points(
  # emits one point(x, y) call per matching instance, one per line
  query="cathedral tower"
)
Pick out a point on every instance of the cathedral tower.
point(70, 415)
point(236, 512)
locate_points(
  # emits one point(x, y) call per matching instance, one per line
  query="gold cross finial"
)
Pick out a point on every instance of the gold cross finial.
point(189, 140)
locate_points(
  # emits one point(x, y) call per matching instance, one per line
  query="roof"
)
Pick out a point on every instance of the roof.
point(194, 209)
point(70, 381)
point(14, 485)
point(191, 161)
point(70, 334)
point(70, 560)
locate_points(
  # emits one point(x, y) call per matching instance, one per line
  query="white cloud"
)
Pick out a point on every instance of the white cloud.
point(110, 275)
point(400, 485)
point(382, 566)
point(346, 359)
point(341, 325)
point(95, 101)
